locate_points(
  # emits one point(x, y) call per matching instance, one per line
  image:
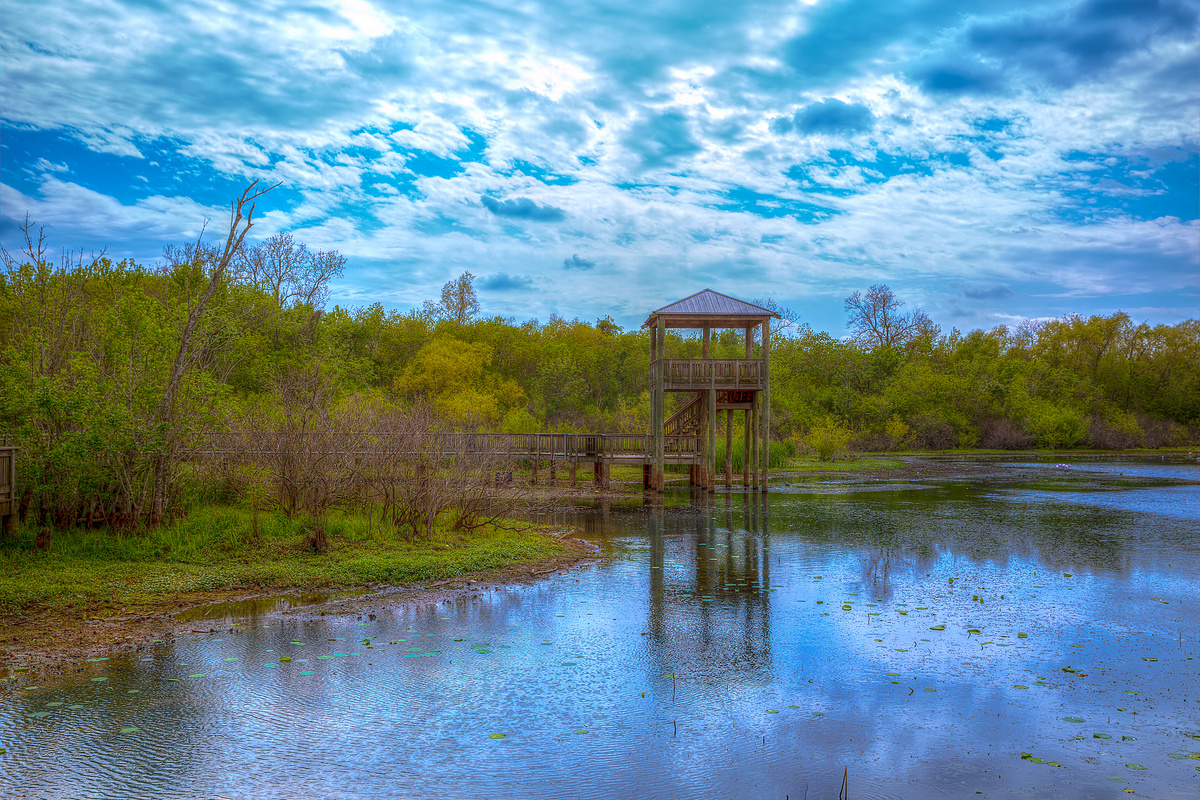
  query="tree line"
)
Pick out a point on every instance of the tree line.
point(111, 373)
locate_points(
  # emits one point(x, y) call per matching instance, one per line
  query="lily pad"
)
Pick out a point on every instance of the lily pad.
point(497, 735)
point(130, 729)
point(1019, 686)
point(306, 672)
point(197, 675)
point(1135, 766)
point(580, 731)
point(284, 660)
point(99, 680)
point(1101, 736)
point(772, 710)
point(55, 704)
point(1128, 738)
point(1022, 635)
point(937, 627)
point(40, 714)
point(1073, 719)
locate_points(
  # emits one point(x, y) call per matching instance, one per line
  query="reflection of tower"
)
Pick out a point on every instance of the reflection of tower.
point(709, 605)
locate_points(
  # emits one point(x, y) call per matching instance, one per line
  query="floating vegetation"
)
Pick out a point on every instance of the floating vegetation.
point(130, 729)
point(1073, 719)
point(579, 731)
point(497, 735)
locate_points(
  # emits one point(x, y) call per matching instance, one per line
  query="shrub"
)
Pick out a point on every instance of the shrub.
point(1004, 434)
point(829, 439)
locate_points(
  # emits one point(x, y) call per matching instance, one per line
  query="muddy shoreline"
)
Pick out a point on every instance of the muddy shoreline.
point(51, 641)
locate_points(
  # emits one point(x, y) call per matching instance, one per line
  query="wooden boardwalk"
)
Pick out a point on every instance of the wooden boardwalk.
point(602, 450)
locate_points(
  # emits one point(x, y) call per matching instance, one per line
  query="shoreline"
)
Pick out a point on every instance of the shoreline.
point(76, 635)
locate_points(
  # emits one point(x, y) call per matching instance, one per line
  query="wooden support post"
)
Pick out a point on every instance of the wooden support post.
point(605, 474)
point(660, 341)
point(765, 413)
point(748, 421)
point(746, 448)
point(574, 467)
point(755, 454)
point(710, 448)
point(597, 469)
point(645, 476)
point(728, 449)
point(553, 464)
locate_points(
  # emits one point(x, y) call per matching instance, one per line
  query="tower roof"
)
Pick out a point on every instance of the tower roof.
point(709, 308)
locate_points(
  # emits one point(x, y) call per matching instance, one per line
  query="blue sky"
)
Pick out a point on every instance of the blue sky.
point(991, 161)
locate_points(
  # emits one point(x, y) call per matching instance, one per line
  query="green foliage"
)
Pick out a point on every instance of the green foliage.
point(87, 351)
point(828, 440)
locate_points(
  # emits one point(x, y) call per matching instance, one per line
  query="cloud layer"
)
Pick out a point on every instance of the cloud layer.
point(990, 160)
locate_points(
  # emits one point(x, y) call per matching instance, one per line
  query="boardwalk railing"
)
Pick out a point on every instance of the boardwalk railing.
point(694, 374)
point(689, 418)
point(511, 446)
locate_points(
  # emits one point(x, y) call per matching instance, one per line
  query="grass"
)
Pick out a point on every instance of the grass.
point(214, 548)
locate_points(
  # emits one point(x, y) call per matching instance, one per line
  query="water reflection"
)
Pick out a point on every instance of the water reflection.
point(734, 645)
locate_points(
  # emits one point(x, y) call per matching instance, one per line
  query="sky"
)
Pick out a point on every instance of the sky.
point(991, 161)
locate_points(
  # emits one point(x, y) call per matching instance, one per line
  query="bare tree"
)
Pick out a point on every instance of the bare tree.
point(876, 320)
point(459, 302)
point(787, 316)
point(290, 271)
point(166, 453)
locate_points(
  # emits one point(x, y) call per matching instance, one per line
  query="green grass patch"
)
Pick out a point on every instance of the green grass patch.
point(216, 548)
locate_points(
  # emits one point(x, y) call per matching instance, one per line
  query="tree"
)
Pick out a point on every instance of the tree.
point(167, 412)
point(459, 302)
point(290, 271)
point(876, 321)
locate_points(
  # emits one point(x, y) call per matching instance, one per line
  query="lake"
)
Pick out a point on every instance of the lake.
point(1029, 632)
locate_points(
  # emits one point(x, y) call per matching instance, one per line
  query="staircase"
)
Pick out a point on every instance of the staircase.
point(687, 420)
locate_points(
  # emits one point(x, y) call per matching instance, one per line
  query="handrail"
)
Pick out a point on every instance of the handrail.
point(541, 446)
point(685, 418)
point(714, 373)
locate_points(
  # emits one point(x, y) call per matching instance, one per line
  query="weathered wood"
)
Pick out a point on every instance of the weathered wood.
point(728, 449)
point(697, 374)
point(755, 454)
point(766, 403)
point(711, 452)
point(660, 338)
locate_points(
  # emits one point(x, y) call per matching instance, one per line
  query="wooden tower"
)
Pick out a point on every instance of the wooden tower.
point(728, 385)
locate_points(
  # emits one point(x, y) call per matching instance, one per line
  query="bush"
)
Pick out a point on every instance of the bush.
point(828, 440)
point(1004, 434)
point(1056, 427)
point(931, 432)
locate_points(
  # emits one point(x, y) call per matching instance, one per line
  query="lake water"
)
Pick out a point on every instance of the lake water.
point(1031, 634)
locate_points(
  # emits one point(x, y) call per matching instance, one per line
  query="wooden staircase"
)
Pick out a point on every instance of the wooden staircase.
point(686, 421)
